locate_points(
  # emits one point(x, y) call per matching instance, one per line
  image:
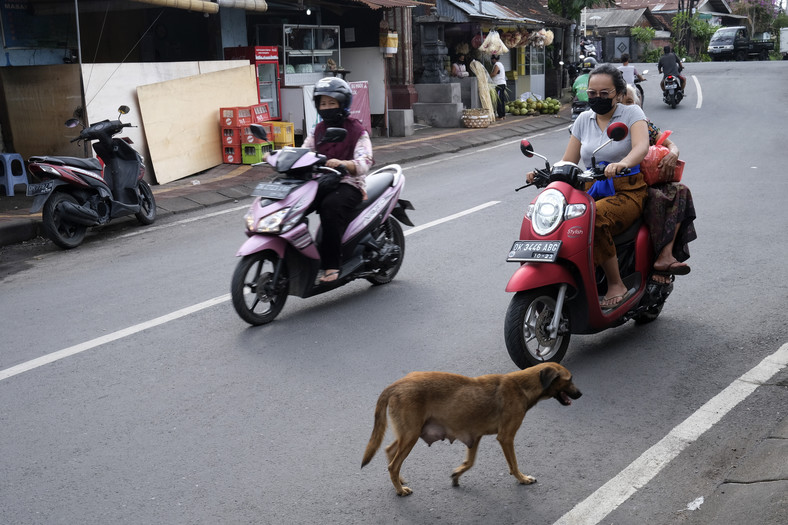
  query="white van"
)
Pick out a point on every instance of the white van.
point(784, 42)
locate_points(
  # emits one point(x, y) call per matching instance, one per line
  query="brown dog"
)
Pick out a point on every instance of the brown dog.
point(439, 405)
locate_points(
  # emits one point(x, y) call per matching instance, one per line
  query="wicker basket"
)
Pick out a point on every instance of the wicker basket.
point(475, 118)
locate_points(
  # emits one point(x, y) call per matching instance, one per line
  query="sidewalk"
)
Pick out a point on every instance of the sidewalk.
point(229, 182)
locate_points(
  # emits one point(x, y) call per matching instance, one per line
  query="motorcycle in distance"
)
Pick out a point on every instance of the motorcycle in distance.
point(281, 257)
point(557, 288)
point(673, 93)
point(77, 193)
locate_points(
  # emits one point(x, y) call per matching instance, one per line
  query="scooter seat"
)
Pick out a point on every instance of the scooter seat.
point(629, 234)
point(91, 163)
point(377, 183)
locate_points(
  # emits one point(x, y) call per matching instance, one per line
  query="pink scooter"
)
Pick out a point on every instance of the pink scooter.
point(557, 288)
point(282, 258)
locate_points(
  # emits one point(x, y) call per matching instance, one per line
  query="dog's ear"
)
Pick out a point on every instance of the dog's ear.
point(547, 376)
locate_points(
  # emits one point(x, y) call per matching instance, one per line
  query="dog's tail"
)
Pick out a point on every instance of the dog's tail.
point(379, 429)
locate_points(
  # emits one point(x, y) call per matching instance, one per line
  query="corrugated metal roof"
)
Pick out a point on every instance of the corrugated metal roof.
point(482, 9)
point(614, 17)
point(377, 4)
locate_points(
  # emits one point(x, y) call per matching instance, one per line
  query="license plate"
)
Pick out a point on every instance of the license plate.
point(534, 251)
point(39, 189)
point(270, 190)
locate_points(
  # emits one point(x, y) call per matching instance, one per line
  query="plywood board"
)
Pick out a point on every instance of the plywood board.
point(181, 119)
point(108, 86)
point(39, 99)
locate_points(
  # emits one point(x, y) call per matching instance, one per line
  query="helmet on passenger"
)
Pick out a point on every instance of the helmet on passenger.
point(335, 88)
point(588, 64)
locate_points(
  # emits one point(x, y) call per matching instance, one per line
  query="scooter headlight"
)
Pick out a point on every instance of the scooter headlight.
point(269, 224)
point(548, 211)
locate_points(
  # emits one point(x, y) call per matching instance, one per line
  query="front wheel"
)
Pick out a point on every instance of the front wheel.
point(526, 329)
point(256, 297)
point(392, 253)
point(147, 213)
point(56, 227)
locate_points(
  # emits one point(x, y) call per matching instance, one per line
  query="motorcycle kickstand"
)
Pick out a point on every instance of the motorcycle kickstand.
point(559, 306)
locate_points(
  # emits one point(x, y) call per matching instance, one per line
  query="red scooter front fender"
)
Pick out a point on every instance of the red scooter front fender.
point(535, 275)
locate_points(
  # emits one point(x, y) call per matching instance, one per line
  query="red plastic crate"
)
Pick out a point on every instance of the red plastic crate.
point(235, 117)
point(248, 138)
point(260, 113)
point(231, 154)
point(231, 136)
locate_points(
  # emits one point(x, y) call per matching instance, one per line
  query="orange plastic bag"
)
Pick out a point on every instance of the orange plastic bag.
point(649, 166)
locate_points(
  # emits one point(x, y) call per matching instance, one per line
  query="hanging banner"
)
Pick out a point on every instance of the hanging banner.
point(359, 107)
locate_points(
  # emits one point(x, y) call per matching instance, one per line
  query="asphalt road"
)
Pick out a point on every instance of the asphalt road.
point(167, 408)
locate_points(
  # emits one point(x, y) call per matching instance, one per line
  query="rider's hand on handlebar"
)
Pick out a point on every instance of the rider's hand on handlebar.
point(336, 163)
point(614, 168)
point(529, 177)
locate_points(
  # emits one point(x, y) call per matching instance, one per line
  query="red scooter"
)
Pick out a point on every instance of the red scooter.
point(557, 288)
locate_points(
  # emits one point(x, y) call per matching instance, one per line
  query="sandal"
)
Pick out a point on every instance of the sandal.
point(329, 276)
point(674, 268)
point(619, 300)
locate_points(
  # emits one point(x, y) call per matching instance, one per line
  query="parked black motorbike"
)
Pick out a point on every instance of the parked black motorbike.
point(77, 193)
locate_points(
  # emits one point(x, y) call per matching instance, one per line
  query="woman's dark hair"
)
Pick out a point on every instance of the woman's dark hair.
point(609, 69)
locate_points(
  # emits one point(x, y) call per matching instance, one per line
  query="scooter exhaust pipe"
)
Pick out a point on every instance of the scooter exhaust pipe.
point(82, 215)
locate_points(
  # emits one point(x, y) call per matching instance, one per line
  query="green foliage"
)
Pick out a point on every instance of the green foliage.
point(693, 26)
point(643, 35)
point(760, 13)
point(652, 55)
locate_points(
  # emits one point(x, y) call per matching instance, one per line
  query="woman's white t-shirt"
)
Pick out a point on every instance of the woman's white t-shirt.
point(591, 137)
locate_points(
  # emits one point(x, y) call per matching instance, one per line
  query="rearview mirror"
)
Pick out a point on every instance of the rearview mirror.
point(526, 148)
point(72, 123)
point(617, 131)
point(123, 110)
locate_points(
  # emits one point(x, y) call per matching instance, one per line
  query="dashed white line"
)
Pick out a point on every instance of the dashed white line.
point(183, 312)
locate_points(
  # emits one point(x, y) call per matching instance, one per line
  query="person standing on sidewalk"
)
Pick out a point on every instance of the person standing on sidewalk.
point(498, 76)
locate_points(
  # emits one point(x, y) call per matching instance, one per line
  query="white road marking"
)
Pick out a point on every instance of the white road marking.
point(183, 312)
point(114, 336)
point(451, 217)
point(612, 494)
point(183, 221)
point(700, 93)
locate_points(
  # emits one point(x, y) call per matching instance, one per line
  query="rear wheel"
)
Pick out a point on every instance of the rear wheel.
point(526, 329)
point(56, 227)
point(392, 254)
point(147, 213)
point(256, 297)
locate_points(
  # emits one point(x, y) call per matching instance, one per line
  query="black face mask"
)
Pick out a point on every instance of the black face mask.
point(600, 105)
point(333, 116)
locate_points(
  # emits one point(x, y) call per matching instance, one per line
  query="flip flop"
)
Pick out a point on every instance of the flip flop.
point(623, 296)
point(676, 268)
point(332, 273)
